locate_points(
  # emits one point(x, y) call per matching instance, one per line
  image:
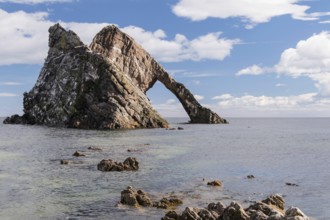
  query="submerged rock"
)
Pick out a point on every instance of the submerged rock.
point(93, 148)
point(102, 86)
point(215, 183)
point(167, 203)
point(130, 164)
point(78, 154)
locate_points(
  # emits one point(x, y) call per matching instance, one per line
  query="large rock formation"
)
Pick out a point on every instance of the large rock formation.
point(102, 86)
point(133, 60)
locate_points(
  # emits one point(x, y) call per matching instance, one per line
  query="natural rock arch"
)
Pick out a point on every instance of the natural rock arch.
point(102, 86)
point(132, 59)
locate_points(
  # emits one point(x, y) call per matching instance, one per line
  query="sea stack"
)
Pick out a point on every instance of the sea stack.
point(102, 86)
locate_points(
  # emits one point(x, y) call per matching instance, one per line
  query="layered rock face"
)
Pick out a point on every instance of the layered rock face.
point(102, 86)
point(79, 88)
point(133, 60)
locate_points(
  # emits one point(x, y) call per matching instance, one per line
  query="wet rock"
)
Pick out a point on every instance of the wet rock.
point(168, 203)
point(234, 211)
point(294, 213)
point(94, 148)
point(134, 197)
point(171, 215)
point(250, 176)
point(64, 162)
point(268, 209)
point(78, 154)
point(215, 183)
point(16, 119)
point(291, 184)
point(171, 129)
point(130, 164)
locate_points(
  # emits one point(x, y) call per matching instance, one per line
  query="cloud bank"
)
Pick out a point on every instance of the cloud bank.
point(27, 35)
point(309, 58)
point(251, 12)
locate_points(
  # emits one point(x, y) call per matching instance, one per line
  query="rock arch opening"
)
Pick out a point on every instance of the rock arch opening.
point(166, 103)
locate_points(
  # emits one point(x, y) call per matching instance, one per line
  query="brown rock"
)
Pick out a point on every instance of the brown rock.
point(94, 148)
point(78, 154)
point(130, 164)
point(168, 203)
point(234, 211)
point(275, 200)
point(134, 197)
point(215, 183)
point(171, 215)
point(294, 213)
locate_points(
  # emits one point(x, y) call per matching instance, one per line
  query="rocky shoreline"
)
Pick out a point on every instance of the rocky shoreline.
point(271, 208)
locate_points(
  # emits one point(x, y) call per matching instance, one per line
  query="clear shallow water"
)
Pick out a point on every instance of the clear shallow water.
point(33, 184)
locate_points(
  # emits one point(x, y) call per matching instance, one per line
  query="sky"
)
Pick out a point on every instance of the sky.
point(241, 58)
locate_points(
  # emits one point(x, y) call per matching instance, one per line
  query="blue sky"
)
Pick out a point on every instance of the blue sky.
point(241, 58)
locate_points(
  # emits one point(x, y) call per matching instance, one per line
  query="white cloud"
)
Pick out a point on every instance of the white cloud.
point(34, 1)
point(251, 70)
point(27, 35)
point(223, 97)
point(309, 104)
point(251, 12)
point(280, 85)
point(171, 108)
point(10, 83)
point(7, 94)
point(250, 101)
point(170, 101)
point(310, 58)
point(210, 46)
point(325, 22)
point(199, 97)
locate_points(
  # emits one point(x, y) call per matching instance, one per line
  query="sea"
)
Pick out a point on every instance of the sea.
point(287, 156)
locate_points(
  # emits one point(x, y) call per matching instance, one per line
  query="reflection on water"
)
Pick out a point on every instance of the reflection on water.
point(33, 184)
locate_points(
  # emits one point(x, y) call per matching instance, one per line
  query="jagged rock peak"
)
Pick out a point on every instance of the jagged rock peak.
point(80, 88)
point(62, 39)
